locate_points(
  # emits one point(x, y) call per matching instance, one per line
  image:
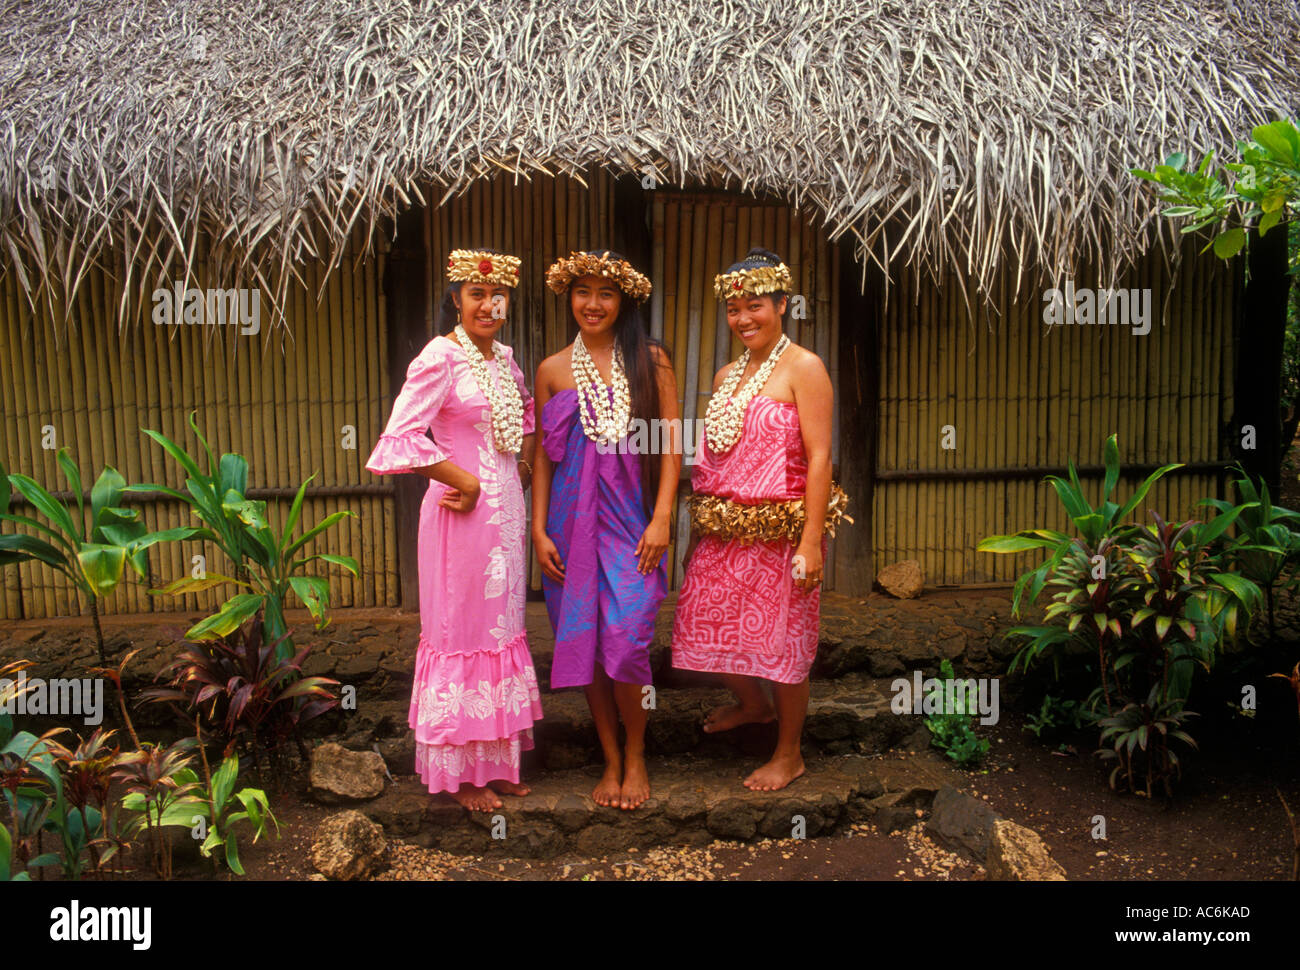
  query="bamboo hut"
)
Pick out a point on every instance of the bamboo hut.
point(929, 170)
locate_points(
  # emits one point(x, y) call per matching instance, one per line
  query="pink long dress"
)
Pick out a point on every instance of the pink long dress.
point(475, 697)
point(739, 611)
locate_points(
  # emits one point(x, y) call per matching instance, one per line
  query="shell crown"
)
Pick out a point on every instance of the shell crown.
point(564, 271)
point(481, 266)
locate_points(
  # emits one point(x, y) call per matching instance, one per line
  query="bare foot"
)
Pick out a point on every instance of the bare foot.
point(733, 715)
point(477, 799)
point(776, 774)
point(608, 788)
point(636, 784)
point(503, 787)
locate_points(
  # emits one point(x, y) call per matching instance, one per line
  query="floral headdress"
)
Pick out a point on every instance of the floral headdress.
point(481, 266)
point(755, 275)
point(564, 271)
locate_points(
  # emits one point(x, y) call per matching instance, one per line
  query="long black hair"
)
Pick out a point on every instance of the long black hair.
point(448, 315)
point(632, 337)
point(756, 257)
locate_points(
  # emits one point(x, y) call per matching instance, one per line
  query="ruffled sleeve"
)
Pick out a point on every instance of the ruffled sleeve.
point(530, 419)
point(404, 445)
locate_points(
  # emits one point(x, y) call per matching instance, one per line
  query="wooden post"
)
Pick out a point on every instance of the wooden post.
point(858, 412)
point(407, 302)
point(1260, 326)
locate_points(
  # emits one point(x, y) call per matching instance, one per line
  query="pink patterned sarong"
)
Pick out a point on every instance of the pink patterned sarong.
point(739, 611)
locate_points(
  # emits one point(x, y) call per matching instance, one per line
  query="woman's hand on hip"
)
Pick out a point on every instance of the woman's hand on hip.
point(461, 499)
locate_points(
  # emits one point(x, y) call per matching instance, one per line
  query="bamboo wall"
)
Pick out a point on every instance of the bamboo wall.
point(1019, 393)
point(281, 402)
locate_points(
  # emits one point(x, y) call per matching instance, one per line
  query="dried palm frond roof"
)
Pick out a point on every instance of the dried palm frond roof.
point(932, 131)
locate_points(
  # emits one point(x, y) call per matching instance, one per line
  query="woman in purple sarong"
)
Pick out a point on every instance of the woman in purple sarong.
point(601, 510)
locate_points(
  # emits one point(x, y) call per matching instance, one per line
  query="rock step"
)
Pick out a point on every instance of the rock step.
point(848, 715)
point(695, 800)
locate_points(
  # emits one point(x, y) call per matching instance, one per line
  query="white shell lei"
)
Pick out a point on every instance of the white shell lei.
point(503, 397)
point(724, 419)
point(607, 423)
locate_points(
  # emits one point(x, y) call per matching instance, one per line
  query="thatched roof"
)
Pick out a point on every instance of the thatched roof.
point(277, 127)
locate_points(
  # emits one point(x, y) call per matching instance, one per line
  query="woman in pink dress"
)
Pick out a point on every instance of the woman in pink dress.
point(475, 696)
point(748, 607)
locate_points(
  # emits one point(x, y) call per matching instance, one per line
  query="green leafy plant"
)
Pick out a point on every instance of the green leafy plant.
point(91, 553)
point(227, 808)
point(7, 872)
point(1263, 185)
point(1267, 544)
point(245, 691)
point(1055, 716)
point(1148, 604)
point(264, 561)
point(952, 731)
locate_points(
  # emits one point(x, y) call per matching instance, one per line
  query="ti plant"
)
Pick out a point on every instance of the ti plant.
point(28, 776)
point(269, 564)
point(1148, 604)
point(1148, 726)
point(245, 690)
point(1267, 544)
point(160, 792)
point(91, 553)
point(224, 809)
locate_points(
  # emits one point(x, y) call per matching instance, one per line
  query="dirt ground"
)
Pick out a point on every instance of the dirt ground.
point(1226, 822)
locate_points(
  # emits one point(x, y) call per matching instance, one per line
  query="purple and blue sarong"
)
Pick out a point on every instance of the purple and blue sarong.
point(604, 611)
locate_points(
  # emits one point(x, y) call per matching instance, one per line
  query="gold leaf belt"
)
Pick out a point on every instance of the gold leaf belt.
point(712, 515)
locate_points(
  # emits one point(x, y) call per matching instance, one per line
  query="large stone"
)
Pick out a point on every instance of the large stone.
point(903, 579)
point(400, 811)
point(339, 776)
point(571, 812)
point(1017, 853)
point(962, 823)
point(734, 818)
point(893, 811)
point(780, 820)
point(348, 846)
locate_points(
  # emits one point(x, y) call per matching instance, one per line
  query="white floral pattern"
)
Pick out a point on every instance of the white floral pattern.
point(458, 701)
point(456, 760)
point(496, 574)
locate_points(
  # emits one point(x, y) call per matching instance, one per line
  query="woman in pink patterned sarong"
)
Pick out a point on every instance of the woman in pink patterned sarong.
point(475, 696)
point(748, 607)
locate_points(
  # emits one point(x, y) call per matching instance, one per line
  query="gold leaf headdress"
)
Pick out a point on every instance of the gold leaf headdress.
point(480, 266)
point(564, 271)
point(755, 281)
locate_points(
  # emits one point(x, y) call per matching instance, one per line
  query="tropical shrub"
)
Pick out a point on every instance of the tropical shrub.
point(244, 690)
point(92, 554)
point(1148, 605)
point(262, 559)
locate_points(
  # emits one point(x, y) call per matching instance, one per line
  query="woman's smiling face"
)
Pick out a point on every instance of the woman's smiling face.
point(596, 301)
point(756, 320)
point(483, 308)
